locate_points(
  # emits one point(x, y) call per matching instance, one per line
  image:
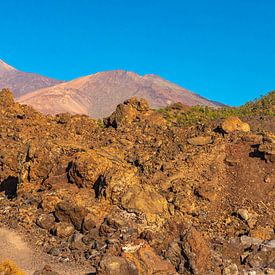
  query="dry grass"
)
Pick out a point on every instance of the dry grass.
point(9, 268)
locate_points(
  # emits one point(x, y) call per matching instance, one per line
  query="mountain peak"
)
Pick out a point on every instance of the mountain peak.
point(4, 67)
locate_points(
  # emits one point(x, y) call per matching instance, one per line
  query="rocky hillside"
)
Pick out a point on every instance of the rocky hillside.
point(20, 82)
point(260, 110)
point(137, 194)
point(98, 95)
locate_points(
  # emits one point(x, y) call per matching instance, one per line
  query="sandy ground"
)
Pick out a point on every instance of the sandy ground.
point(13, 247)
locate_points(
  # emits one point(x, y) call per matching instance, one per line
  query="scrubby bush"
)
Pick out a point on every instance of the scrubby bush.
point(183, 115)
point(9, 268)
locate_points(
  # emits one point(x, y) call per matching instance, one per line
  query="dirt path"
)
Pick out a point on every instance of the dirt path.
point(13, 247)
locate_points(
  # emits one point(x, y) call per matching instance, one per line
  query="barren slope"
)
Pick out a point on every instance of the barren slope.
point(20, 82)
point(97, 95)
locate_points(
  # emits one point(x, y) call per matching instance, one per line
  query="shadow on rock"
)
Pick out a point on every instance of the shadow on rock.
point(9, 186)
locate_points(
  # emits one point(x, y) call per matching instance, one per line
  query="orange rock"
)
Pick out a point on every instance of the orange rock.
point(233, 123)
point(197, 251)
point(148, 262)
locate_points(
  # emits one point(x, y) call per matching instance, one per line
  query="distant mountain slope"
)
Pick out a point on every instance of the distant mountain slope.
point(20, 82)
point(97, 95)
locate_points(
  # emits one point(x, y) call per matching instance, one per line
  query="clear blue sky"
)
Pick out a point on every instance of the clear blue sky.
point(221, 49)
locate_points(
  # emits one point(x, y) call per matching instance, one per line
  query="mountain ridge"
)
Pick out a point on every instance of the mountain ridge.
point(98, 94)
point(22, 82)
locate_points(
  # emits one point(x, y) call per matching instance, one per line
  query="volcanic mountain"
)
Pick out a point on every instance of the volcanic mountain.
point(97, 95)
point(21, 82)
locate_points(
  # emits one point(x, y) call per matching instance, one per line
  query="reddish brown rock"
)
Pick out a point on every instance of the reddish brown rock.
point(147, 261)
point(197, 252)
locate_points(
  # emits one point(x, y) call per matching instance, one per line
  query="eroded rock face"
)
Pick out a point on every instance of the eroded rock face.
point(140, 196)
point(127, 112)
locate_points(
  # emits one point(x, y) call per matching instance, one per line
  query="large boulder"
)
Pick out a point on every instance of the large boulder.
point(126, 112)
point(148, 262)
point(115, 180)
point(233, 123)
point(197, 252)
point(113, 265)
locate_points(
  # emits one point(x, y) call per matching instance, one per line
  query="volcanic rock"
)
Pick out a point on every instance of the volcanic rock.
point(200, 141)
point(64, 229)
point(197, 252)
point(6, 98)
point(113, 265)
point(233, 123)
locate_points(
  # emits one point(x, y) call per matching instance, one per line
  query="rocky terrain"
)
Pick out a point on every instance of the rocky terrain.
point(21, 82)
point(98, 95)
point(139, 194)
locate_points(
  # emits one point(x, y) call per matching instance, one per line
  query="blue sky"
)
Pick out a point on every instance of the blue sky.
point(222, 49)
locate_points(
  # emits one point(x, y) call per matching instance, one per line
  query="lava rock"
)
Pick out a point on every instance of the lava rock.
point(45, 221)
point(200, 140)
point(64, 229)
point(233, 123)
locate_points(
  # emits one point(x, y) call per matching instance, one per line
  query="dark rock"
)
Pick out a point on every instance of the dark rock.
point(45, 221)
point(75, 241)
point(67, 211)
point(127, 112)
point(55, 251)
point(173, 254)
point(88, 225)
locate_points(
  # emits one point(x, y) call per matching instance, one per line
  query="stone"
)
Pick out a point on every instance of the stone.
point(126, 112)
point(75, 241)
point(231, 161)
point(248, 241)
point(64, 229)
point(55, 251)
point(147, 202)
point(147, 261)
point(208, 193)
point(45, 221)
point(233, 123)
point(243, 213)
point(67, 211)
point(263, 233)
point(268, 149)
point(231, 270)
point(173, 253)
point(6, 98)
point(200, 140)
point(113, 265)
point(47, 270)
point(253, 138)
point(269, 244)
point(88, 224)
point(196, 251)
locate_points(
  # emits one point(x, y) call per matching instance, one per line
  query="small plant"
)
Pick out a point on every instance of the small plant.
point(100, 123)
point(183, 115)
point(9, 268)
